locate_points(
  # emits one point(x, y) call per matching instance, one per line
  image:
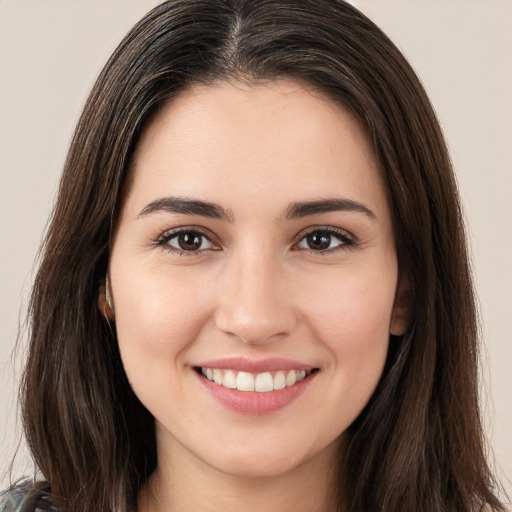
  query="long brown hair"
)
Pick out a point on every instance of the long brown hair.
point(418, 444)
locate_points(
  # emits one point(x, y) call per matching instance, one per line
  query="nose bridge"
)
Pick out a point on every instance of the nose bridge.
point(254, 304)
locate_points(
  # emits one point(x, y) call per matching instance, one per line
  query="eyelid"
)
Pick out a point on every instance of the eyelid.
point(162, 239)
point(348, 239)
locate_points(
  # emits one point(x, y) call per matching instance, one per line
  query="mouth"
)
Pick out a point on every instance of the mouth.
point(255, 387)
point(263, 382)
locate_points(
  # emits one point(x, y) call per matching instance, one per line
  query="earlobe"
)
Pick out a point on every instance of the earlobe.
point(401, 316)
point(105, 300)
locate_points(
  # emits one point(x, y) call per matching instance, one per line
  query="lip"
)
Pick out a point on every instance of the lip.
point(254, 402)
point(243, 364)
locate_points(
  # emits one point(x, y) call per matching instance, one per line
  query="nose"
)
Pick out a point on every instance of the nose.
point(255, 301)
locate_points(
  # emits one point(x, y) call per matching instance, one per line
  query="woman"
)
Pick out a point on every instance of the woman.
point(255, 290)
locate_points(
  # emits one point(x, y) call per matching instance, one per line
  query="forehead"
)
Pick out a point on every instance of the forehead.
point(269, 142)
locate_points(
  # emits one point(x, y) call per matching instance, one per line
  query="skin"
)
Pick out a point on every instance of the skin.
point(256, 289)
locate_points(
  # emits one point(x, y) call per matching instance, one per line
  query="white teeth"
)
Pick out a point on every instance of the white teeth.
point(261, 382)
point(245, 381)
point(264, 382)
point(229, 380)
point(217, 377)
point(279, 380)
point(291, 378)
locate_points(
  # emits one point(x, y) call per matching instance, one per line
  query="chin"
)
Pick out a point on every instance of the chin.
point(258, 467)
point(270, 461)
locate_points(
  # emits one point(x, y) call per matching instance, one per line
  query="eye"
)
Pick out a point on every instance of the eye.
point(186, 241)
point(324, 240)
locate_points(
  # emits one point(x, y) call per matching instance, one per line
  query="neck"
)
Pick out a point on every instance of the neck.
point(184, 483)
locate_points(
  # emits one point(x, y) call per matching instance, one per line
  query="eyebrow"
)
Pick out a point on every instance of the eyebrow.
point(187, 207)
point(304, 209)
point(214, 211)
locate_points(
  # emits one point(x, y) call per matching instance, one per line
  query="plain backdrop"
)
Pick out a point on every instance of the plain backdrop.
point(52, 50)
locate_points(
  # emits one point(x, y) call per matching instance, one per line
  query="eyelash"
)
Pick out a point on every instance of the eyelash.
point(164, 239)
point(346, 240)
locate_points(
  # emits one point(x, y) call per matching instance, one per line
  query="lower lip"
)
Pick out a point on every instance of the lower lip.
point(253, 402)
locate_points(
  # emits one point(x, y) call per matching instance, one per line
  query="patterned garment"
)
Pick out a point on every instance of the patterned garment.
point(14, 499)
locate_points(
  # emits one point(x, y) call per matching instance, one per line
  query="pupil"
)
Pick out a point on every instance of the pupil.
point(189, 241)
point(319, 241)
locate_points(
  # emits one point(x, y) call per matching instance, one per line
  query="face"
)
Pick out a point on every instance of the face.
point(253, 276)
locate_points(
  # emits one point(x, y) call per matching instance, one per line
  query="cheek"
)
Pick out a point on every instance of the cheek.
point(350, 316)
point(158, 314)
point(351, 301)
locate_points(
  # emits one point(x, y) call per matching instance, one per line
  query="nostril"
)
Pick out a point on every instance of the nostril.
point(253, 329)
point(254, 310)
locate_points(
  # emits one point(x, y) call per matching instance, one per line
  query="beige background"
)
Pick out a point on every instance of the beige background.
point(52, 50)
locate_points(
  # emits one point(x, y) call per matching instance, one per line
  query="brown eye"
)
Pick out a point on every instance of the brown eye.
point(322, 240)
point(318, 241)
point(189, 241)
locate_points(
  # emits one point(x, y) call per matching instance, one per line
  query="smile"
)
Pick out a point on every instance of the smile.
point(255, 387)
point(260, 382)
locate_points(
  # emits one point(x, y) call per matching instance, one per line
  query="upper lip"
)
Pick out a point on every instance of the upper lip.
point(242, 364)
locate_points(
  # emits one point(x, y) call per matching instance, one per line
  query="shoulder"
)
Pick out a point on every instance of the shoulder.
point(12, 500)
point(25, 497)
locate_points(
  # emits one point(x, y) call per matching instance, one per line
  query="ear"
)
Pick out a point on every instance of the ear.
point(401, 316)
point(105, 301)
